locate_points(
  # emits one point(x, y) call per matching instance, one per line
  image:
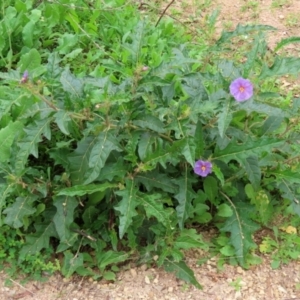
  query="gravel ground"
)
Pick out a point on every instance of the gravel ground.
point(258, 283)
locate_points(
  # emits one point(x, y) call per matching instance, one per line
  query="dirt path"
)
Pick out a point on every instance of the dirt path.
point(258, 283)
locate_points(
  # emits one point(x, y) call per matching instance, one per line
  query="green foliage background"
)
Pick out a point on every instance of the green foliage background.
point(98, 145)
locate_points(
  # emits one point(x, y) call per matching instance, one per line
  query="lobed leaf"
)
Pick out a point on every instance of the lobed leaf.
point(127, 206)
point(241, 229)
point(182, 271)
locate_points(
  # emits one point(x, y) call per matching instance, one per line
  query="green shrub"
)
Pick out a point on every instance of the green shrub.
point(103, 118)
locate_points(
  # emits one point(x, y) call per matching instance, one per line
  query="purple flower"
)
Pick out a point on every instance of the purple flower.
point(24, 78)
point(241, 89)
point(202, 168)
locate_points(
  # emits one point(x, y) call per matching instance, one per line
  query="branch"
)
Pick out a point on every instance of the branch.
point(163, 13)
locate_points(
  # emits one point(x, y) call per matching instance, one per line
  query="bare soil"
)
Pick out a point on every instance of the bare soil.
point(258, 283)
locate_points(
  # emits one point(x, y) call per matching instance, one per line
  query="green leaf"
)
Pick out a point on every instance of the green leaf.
point(5, 191)
point(71, 263)
point(255, 106)
point(242, 30)
point(41, 238)
point(7, 136)
point(228, 251)
point(240, 152)
point(185, 197)
point(287, 41)
point(71, 84)
point(116, 170)
point(199, 140)
point(217, 171)
point(104, 144)
point(155, 179)
point(21, 208)
point(79, 159)
point(81, 190)
point(285, 175)
point(153, 205)
point(241, 229)
point(145, 144)
point(30, 61)
point(109, 275)
point(188, 150)
point(271, 123)
point(224, 118)
point(64, 217)
point(281, 66)
point(150, 122)
point(189, 238)
point(224, 210)
point(210, 188)
point(29, 143)
point(62, 119)
point(110, 257)
point(137, 37)
point(253, 170)
point(182, 272)
point(127, 206)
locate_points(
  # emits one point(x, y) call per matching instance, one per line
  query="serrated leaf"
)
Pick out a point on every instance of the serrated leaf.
point(7, 136)
point(182, 271)
point(286, 175)
point(113, 170)
point(53, 67)
point(185, 196)
point(90, 215)
point(240, 152)
point(165, 153)
point(30, 60)
point(104, 144)
point(22, 207)
point(137, 42)
point(199, 140)
point(188, 150)
point(127, 206)
point(281, 66)
point(63, 119)
point(242, 30)
point(241, 229)
point(253, 170)
point(71, 263)
point(224, 119)
point(64, 217)
point(5, 190)
point(81, 190)
point(217, 171)
point(110, 257)
point(287, 41)
point(41, 238)
point(71, 84)
point(29, 143)
point(150, 122)
point(155, 179)
point(79, 159)
point(189, 238)
point(271, 123)
point(145, 144)
point(153, 206)
point(210, 188)
point(253, 106)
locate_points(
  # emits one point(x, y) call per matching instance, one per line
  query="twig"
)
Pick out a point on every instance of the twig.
point(163, 13)
point(21, 286)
